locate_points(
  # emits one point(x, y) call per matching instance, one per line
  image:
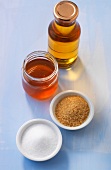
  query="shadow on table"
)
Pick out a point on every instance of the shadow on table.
point(72, 73)
point(90, 138)
point(59, 162)
point(40, 108)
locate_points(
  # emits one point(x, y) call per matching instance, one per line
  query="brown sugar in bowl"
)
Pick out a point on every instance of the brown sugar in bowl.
point(71, 110)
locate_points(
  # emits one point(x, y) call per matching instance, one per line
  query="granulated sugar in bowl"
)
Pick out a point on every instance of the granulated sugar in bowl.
point(39, 139)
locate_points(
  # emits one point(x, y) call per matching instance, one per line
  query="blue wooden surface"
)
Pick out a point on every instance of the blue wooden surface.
point(23, 29)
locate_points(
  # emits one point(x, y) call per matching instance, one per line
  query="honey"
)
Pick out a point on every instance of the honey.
point(40, 75)
point(64, 34)
point(39, 68)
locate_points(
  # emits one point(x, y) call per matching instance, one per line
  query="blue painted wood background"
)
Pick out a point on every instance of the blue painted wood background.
point(23, 29)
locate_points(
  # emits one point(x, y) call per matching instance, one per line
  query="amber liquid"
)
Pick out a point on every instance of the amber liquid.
point(40, 68)
point(63, 43)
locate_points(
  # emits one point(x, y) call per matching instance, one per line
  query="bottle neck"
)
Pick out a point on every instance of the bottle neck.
point(64, 29)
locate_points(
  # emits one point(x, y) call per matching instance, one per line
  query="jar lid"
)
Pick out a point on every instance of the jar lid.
point(66, 12)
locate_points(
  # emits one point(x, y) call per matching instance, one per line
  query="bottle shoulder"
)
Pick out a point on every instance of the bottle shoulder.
point(58, 35)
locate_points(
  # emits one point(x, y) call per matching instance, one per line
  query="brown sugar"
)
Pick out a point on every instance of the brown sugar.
point(72, 111)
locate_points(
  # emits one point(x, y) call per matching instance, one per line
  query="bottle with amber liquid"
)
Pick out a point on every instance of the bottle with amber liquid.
point(64, 34)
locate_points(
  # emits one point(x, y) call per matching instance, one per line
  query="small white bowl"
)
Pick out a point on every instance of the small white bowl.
point(60, 96)
point(34, 124)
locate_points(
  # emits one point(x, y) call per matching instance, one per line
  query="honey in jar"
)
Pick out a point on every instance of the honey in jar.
point(40, 75)
point(64, 34)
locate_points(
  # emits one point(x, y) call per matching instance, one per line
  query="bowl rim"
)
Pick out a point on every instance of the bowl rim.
point(66, 93)
point(32, 122)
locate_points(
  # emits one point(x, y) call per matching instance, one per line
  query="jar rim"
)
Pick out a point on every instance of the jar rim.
point(40, 54)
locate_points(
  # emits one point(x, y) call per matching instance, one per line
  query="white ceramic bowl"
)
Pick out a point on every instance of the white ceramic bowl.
point(24, 129)
point(63, 94)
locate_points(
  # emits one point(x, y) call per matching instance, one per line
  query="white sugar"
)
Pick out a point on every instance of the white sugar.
point(39, 140)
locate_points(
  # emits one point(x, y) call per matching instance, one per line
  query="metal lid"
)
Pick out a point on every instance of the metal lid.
point(66, 12)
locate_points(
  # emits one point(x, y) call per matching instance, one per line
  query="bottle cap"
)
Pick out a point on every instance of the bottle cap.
point(66, 12)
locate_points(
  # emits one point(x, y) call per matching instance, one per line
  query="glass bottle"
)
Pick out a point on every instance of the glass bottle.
point(64, 34)
point(40, 75)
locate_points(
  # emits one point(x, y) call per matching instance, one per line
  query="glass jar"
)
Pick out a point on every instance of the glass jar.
point(64, 34)
point(40, 75)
